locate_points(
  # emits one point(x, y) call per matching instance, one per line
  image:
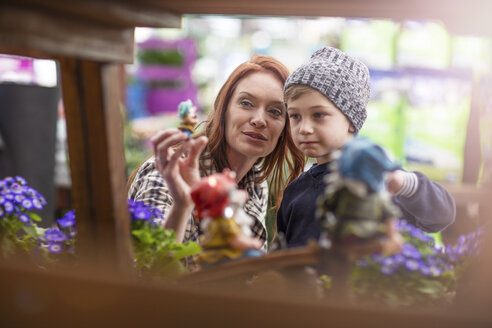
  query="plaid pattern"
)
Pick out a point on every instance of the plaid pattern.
point(150, 188)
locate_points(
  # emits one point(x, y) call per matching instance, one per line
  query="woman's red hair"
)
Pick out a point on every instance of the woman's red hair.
point(285, 160)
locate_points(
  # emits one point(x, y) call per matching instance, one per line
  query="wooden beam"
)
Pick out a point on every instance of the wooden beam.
point(97, 164)
point(110, 13)
point(51, 299)
point(28, 32)
point(461, 17)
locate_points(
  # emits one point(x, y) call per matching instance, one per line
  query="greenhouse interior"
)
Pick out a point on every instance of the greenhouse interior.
point(140, 186)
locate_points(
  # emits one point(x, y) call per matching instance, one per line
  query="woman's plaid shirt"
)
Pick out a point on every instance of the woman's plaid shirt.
point(150, 188)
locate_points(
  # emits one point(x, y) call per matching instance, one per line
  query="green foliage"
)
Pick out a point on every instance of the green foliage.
point(157, 253)
point(17, 238)
point(160, 57)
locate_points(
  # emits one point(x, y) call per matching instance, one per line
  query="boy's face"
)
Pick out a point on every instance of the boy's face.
point(318, 127)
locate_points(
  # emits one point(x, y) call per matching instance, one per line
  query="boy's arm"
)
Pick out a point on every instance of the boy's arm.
point(431, 207)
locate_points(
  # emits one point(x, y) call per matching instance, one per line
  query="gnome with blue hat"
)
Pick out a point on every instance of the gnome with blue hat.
point(355, 212)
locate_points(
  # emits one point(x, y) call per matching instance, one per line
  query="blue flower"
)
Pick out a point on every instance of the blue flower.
point(18, 198)
point(2, 200)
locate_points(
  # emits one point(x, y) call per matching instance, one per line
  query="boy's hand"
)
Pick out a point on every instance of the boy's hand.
point(394, 181)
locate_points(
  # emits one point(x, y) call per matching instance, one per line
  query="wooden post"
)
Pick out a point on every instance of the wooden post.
point(95, 143)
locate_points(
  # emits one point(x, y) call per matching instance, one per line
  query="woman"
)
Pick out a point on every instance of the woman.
point(247, 131)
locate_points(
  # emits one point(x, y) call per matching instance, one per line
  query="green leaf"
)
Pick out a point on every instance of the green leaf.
point(187, 249)
point(143, 236)
point(35, 217)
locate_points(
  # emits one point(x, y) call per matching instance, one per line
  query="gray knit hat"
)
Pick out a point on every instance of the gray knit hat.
point(341, 78)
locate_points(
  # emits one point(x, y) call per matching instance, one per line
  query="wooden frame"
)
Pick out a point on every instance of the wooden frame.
point(89, 38)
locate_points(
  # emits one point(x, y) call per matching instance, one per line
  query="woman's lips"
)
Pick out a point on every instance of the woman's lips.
point(255, 135)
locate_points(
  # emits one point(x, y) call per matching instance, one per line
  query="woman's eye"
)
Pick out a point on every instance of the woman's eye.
point(276, 111)
point(245, 103)
point(294, 116)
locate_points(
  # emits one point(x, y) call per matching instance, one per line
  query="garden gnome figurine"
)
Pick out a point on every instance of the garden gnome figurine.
point(187, 114)
point(217, 203)
point(356, 213)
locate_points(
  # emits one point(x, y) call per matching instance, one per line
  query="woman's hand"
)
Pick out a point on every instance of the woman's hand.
point(177, 161)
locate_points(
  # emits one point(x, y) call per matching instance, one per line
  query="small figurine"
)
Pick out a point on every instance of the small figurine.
point(217, 203)
point(356, 213)
point(187, 114)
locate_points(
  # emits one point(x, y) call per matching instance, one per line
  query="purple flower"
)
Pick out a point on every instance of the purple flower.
point(425, 270)
point(54, 235)
point(27, 204)
point(68, 220)
point(21, 180)
point(435, 271)
point(8, 206)
point(16, 188)
point(55, 248)
point(141, 213)
point(9, 196)
point(37, 203)
point(388, 265)
point(398, 258)
point(2, 200)
point(410, 251)
point(156, 213)
point(388, 270)
point(19, 198)
point(24, 218)
point(412, 264)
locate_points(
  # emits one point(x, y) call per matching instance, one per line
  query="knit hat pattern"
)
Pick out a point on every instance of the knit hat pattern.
point(339, 77)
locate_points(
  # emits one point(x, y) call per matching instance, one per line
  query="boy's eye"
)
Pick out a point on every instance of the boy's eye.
point(319, 115)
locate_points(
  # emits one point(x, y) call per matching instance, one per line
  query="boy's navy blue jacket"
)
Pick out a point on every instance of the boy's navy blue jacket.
point(431, 208)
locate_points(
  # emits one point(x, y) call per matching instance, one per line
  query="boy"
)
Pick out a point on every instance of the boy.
point(326, 103)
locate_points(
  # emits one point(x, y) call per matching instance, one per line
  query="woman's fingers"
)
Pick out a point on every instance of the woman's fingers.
point(196, 149)
point(163, 143)
point(178, 153)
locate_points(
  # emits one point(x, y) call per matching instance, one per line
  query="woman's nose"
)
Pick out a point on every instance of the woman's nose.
point(258, 119)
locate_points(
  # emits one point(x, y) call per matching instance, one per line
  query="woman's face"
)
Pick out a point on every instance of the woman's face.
point(255, 117)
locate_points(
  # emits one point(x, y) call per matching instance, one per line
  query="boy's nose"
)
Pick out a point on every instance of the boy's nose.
point(305, 128)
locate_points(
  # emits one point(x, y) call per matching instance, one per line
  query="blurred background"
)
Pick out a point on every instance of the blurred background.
point(429, 105)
